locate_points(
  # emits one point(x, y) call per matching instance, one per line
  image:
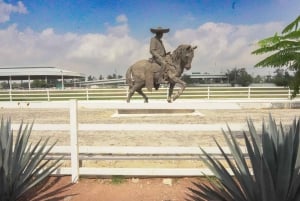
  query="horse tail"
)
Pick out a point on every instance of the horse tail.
point(129, 80)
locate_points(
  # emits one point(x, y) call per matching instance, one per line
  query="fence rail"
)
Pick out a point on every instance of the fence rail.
point(76, 153)
point(121, 93)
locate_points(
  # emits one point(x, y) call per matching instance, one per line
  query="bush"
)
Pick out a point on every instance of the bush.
point(22, 165)
point(273, 173)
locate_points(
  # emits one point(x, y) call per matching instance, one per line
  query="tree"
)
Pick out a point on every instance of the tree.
point(257, 79)
point(239, 76)
point(38, 84)
point(91, 78)
point(281, 78)
point(285, 52)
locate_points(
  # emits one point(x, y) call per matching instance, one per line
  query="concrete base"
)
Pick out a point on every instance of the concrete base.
point(155, 111)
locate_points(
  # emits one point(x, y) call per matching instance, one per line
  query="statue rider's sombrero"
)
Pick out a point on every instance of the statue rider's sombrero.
point(159, 30)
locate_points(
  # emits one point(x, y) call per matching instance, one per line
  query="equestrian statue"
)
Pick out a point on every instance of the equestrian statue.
point(162, 68)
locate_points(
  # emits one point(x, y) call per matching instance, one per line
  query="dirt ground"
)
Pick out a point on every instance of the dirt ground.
point(120, 189)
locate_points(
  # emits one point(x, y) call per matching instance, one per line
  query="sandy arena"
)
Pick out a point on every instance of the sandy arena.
point(134, 189)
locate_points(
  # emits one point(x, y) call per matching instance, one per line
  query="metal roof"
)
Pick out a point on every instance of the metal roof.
point(24, 73)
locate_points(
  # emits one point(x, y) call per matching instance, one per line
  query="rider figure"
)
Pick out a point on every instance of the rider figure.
point(158, 51)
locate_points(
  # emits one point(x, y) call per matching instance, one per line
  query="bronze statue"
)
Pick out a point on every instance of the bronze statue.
point(161, 68)
point(158, 51)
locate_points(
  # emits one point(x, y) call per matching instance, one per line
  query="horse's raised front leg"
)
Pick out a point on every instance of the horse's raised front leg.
point(181, 84)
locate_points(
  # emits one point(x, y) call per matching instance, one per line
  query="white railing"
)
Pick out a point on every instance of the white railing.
point(121, 93)
point(76, 153)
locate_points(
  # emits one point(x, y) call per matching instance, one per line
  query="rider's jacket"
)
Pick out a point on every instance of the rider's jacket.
point(157, 50)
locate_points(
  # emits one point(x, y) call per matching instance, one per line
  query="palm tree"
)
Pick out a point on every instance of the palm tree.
point(285, 51)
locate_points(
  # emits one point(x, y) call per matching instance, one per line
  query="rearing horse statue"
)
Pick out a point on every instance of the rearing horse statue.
point(145, 73)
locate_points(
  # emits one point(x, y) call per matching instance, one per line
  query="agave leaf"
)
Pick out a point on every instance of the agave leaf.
point(243, 185)
point(213, 191)
point(267, 183)
point(7, 157)
point(295, 179)
point(254, 137)
point(38, 175)
point(24, 161)
point(220, 171)
point(284, 158)
point(36, 158)
point(213, 165)
point(275, 160)
point(269, 152)
point(236, 152)
point(256, 164)
point(21, 165)
point(295, 130)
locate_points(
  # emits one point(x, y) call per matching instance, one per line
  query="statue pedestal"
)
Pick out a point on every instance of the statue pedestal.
point(129, 112)
point(155, 111)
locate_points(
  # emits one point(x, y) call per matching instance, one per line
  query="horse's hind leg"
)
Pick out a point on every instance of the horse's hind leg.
point(142, 94)
point(137, 88)
point(130, 94)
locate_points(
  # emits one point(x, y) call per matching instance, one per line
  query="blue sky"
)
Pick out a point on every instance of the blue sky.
point(103, 37)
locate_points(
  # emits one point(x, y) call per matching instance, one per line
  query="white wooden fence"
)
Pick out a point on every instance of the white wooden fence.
point(209, 93)
point(76, 153)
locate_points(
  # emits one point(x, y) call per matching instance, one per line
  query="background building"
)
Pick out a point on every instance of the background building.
point(50, 76)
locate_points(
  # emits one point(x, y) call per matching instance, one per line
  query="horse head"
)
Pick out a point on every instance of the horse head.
point(185, 54)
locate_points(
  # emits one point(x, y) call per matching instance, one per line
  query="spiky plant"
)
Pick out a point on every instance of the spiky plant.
point(22, 165)
point(273, 173)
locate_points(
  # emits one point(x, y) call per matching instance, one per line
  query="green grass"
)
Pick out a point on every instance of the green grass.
point(117, 179)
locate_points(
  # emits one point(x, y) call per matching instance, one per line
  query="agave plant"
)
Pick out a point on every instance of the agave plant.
point(22, 165)
point(269, 172)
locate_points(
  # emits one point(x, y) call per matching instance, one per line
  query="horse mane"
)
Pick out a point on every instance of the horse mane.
point(177, 53)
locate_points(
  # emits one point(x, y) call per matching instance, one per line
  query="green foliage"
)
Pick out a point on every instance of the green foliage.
point(282, 78)
point(239, 76)
point(38, 84)
point(274, 158)
point(117, 179)
point(22, 165)
point(284, 50)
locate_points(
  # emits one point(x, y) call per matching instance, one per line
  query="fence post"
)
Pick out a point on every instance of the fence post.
point(10, 95)
point(87, 94)
point(74, 140)
point(48, 95)
point(249, 92)
point(208, 92)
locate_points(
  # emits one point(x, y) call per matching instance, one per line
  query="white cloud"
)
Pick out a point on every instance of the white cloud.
point(92, 54)
point(121, 29)
point(122, 18)
point(220, 47)
point(7, 9)
point(224, 46)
